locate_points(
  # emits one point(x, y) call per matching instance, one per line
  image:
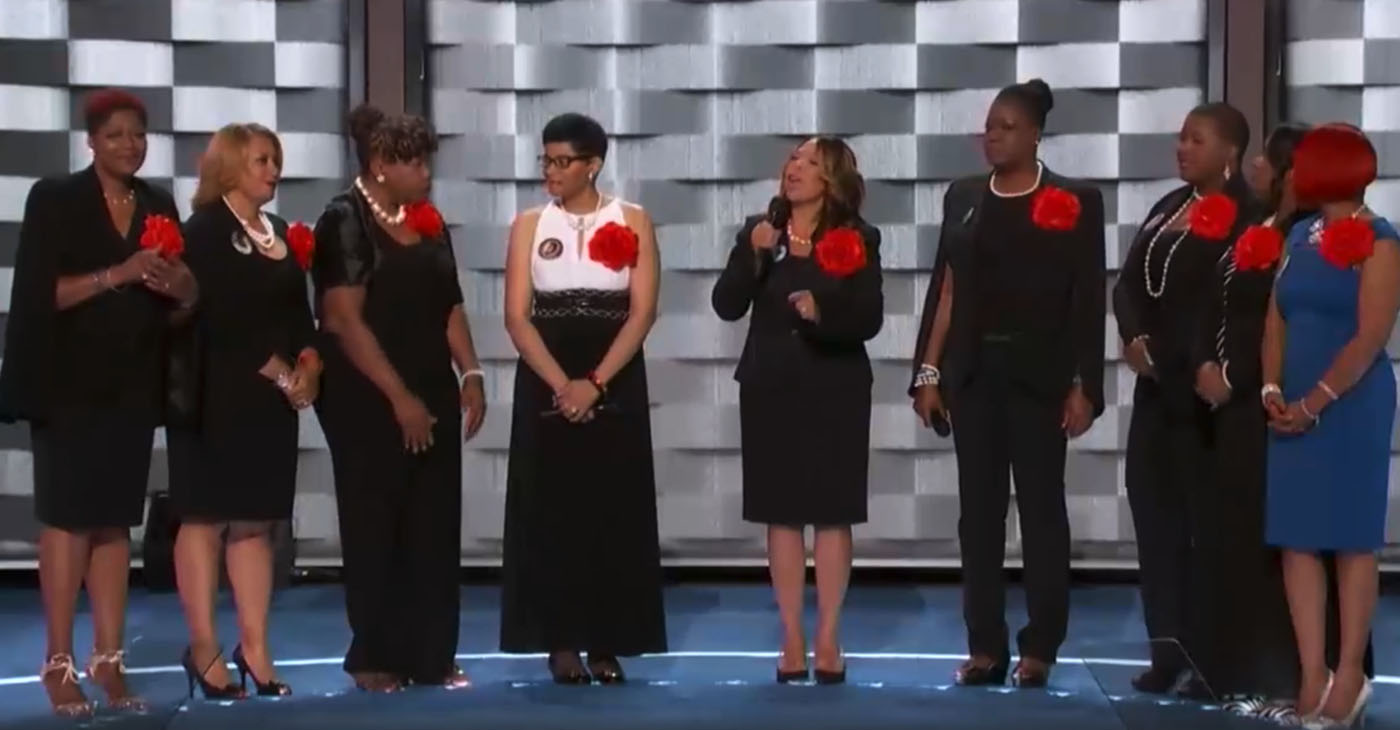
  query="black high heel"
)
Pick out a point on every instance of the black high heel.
point(272, 688)
point(194, 676)
point(605, 669)
point(567, 672)
point(974, 674)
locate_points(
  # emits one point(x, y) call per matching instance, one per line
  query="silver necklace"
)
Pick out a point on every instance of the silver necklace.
point(1152, 243)
point(1039, 171)
point(264, 240)
point(1315, 230)
point(379, 212)
point(582, 223)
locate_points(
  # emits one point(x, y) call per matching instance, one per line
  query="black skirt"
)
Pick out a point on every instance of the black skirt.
point(806, 454)
point(581, 565)
point(235, 472)
point(91, 467)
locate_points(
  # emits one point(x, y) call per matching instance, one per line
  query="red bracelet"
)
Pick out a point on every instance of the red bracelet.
point(597, 383)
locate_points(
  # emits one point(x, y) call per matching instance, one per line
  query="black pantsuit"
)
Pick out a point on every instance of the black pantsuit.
point(1171, 436)
point(400, 513)
point(1026, 328)
point(88, 379)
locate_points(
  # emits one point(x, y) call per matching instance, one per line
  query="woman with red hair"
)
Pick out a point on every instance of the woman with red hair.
point(1330, 396)
point(84, 363)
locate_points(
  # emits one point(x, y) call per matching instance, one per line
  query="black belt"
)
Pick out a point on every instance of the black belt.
point(596, 303)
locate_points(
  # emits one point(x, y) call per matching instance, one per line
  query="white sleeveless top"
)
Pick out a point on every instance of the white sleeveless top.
point(558, 262)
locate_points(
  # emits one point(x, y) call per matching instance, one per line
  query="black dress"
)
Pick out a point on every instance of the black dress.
point(1026, 325)
point(582, 567)
point(88, 379)
point(1170, 453)
point(400, 513)
point(237, 458)
point(804, 388)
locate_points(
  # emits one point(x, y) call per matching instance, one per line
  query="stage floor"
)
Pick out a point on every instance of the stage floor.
point(903, 643)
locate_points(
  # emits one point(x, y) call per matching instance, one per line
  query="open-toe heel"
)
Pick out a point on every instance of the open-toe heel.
point(75, 704)
point(115, 687)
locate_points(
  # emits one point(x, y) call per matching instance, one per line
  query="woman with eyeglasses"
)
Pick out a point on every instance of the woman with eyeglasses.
point(582, 570)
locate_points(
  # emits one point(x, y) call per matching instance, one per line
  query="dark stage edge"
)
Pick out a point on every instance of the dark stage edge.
point(904, 643)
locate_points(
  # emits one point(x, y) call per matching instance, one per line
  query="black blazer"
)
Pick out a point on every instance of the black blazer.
point(94, 352)
point(1178, 325)
point(1068, 342)
point(781, 347)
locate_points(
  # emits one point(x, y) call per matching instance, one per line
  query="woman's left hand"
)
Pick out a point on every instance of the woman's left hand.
point(806, 305)
point(303, 386)
point(576, 400)
point(1293, 421)
point(1078, 413)
point(172, 278)
point(474, 405)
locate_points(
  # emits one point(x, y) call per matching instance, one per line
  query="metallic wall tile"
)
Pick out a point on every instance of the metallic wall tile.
point(311, 21)
point(1380, 19)
point(33, 62)
point(34, 19)
point(961, 67)
point(312, 110)
point(967, 22)
point(225, 20)
point(947, 157)
point(1317, 104)
point(34, 108)
point(671, 67)
point(765, 22)
point(248, 65)
point(308, 65)
point(1161, 21)
point(867, 67)
point(1320, 19)
point(473, 66)
point(1157, 111)
point(205, 109)
point(1082, 65)
point(120, 63)
point(766, 67)
point(1382, 61)
point(1380, 111)
point(852, 23)
point(1326, 62)
point(1068, 22)
point(1161, 65)
point(1147, 156)
point(856, 112)
point(1082, 111)
point(119, 20)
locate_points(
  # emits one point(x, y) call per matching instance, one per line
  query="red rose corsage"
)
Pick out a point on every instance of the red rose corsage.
point(162, 234)
point(1258, 248)
point(614, 246)
point(302, 242)
point(840, 252)
point(1055, 209)
point(1213, 216)
point(424, 219)
point(1347, 242)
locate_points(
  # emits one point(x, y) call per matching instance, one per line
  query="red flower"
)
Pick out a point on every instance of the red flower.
point(162, 234)
point(1347, 242)
point(614, 246)
point(423, 219)
point(1213, 216)
point(1258, 248)
point(1055, 209)
point(840, 252)
point(302, 243)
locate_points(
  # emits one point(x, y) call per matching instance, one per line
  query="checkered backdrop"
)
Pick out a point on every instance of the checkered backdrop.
point(705, 100)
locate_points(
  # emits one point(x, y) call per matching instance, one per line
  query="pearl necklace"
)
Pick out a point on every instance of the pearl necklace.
point(394, 220)
point(1039, 171)
point(794, 238)
point(581, 223)
point(121, 200)
point(1152, 243)
point(264, 240)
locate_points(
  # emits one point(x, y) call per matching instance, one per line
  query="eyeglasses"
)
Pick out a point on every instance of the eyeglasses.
point(561, 162)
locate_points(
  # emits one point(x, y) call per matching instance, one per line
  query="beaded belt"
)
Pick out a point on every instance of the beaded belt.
point(598, 303)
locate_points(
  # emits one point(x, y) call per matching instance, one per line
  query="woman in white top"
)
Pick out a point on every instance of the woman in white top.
point(582, 566)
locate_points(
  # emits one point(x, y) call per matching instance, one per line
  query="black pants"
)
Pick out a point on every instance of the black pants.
point(1167, 471)
point(400, 533)
point(1000, 428)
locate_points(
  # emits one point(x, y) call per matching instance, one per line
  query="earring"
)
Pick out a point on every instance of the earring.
point(379, 178)
point(1227, 173)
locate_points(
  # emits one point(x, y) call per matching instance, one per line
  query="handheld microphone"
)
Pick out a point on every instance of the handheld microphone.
point(779, 213)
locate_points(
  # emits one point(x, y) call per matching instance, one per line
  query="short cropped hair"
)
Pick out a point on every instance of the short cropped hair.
point(582, 132)
point(1333, 163)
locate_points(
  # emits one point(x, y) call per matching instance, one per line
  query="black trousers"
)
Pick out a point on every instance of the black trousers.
point(1000, 429)
point(1167, 474)
point(400, 533)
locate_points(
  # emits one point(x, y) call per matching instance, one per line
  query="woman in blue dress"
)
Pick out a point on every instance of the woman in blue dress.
point(1330, 395)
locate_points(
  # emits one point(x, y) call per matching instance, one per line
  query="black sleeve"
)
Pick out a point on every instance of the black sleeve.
point(301, 332)
point(854, 311)
point(1212, 314)
point(738, 284)
point(1130, 291)
point(1088, 305)
point(234, 335)
point(25, 382)
point(941, 266)
point(344, 256)
point(453, 275)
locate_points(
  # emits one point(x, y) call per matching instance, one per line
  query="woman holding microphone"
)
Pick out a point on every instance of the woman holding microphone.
point(810, 274)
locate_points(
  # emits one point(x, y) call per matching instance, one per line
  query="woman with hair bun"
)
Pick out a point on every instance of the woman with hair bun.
point(1012, 355)
point(392, 406)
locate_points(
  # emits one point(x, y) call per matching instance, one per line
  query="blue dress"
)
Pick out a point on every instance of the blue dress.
point(1327, 486)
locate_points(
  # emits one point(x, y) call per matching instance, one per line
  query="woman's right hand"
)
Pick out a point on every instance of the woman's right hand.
point(415, 421)
point(140, 266)
point(928, 402)
point(763, 237)
point(1138, 358)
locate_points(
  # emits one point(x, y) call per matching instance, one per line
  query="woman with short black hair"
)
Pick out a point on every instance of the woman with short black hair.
point(582, 567)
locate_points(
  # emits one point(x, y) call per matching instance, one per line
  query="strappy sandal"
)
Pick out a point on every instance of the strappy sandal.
point(62, 664)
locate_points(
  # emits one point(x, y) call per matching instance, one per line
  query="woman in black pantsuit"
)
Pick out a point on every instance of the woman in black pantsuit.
point(1159, 299)
point(84, 357)
point(810, 273)
point(1018, 351)
point(233, 458)
point(392, 407)
point(579, 311)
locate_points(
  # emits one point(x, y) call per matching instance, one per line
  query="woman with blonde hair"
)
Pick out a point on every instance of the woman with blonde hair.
point(233, 445)
point(810, 272)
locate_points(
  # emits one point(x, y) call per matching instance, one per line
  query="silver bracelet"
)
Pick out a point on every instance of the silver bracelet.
point(1304, 408)
point(284, 380)
point(1327, 389)
point(927, 375)
point(473, 373)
